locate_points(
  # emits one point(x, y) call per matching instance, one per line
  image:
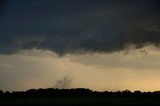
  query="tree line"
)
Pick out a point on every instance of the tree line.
point(54, 92)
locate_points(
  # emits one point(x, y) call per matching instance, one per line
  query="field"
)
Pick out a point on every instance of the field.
point(74, 101)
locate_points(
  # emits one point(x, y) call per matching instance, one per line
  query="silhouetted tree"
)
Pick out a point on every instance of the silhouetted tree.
point(137, 93)
point(1, 93)
point(7, 93)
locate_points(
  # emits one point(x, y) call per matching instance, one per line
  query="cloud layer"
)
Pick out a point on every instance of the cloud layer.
point(78, 27)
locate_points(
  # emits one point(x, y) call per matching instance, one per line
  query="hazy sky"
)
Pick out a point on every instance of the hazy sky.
point(96, 44)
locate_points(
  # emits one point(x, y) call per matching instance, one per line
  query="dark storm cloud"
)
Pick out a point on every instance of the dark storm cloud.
point(68, 26)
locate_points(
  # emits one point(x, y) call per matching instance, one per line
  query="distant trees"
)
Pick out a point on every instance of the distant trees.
point(1, 93)
point(76, 92)
point(137, 93)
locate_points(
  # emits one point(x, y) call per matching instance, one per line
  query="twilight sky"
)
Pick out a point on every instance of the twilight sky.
point(96, 44)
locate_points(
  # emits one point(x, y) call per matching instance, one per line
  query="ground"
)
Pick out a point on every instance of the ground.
point(71, 101)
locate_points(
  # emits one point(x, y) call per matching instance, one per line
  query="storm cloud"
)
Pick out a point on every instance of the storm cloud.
point(78, 26)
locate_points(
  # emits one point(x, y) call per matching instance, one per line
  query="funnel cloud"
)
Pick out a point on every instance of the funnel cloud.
point(63, 83)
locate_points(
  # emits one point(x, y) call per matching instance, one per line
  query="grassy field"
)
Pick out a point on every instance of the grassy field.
point(63, 101)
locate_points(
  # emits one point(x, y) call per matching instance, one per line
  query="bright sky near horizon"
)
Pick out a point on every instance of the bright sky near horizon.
point(113, 71)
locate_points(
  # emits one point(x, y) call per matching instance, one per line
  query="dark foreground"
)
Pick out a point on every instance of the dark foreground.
point(74, 101)
point(78, 96)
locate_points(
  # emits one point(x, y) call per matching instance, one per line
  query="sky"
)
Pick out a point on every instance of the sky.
point(96, 44)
